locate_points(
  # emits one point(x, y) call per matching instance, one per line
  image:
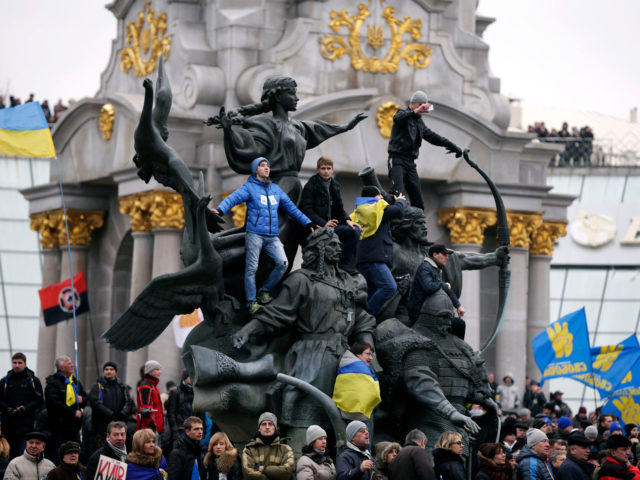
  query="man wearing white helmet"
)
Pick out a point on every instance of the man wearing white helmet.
point(407, 134)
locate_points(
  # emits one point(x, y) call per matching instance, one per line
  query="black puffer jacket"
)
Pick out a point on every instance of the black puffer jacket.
point(179, 407)
point(449, 465)
point(18, 389)
point(315, 201)
point(110, 400)
point(378, 248)
point(61, 417)
point(182, 457)
point(407, 134)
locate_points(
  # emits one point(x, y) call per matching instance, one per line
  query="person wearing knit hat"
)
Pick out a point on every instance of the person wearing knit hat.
point(565, 426)
point(532, 460)
point(631, 430)
point(70, 467)
point(591, 432)
point(356, 462)
point(616, 464)
point(615, 428)
point(266, 453)
point(315, 462)
point(407, 133)
point(375, 248)
point(110, 401)
point(263, 199)
point(150, 405)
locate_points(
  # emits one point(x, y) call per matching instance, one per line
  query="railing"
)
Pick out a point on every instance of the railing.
point(586, 152)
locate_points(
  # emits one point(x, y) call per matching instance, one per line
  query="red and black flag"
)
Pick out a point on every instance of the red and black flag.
point(57, 299)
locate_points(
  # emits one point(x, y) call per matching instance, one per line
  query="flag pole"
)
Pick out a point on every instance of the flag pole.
point(93, 338)
point(73, 289)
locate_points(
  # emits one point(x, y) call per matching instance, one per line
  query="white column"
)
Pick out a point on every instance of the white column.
point(538, 306)
point(47, 335)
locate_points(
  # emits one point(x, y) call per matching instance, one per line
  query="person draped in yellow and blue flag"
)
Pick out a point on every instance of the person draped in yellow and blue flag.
point(356, 391)
point(375, 248)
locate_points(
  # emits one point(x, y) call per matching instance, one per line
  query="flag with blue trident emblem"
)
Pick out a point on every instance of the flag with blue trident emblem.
point(562, 349)
point(625, 400)
point(609, 365)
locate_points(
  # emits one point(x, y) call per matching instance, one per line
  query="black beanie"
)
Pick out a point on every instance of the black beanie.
point(110, 364)
point(68, 447)
point(369, 191)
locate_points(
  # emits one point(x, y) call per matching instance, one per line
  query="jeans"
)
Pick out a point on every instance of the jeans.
point(254, 244)
point(349, 238)
point(380, 284)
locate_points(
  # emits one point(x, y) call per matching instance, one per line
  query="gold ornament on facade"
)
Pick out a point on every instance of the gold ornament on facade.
point(522, 225)
point(384, 117)
point(148, 41)
point(106, 120)
point(545, 236)
point(416, 55)
point(168, 211)
point(139, 207)
point(51, 226)
point(467, 224)
point(239, 212)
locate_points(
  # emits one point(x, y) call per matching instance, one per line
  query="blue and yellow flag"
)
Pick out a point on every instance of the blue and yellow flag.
point(368, 214)
point(625, 400)
point(562, 349)
point(24, 132)
point(356, 389)
point(609, 365)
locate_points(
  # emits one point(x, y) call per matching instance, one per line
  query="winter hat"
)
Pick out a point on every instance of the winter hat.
point(535, 436)
point(268, 416)
point(578, 438)
point(582, 409)
point(564, 422)
point(419, 97)
point(591, 432)
point(369, 191)
point(256, 162)
point(150, 366)
point(353, 428)
point(539, 423)
point(110, 364)
point(37, 435)
point(628, 427)
point(314, 432)
point(507, 375)
point(618, 441)
point(68, 447)
point(615, 426)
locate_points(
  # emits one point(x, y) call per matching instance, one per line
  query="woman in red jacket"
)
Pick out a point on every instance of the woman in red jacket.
point(150, 413)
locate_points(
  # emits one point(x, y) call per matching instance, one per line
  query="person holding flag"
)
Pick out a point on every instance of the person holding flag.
point(65, 398)
point(375, 248)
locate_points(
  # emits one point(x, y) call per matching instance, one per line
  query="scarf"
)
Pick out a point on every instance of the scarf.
point(122, 454)
point(364, 452)
point(72, 390)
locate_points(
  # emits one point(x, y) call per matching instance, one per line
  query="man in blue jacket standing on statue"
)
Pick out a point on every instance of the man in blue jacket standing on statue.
point(263, 199)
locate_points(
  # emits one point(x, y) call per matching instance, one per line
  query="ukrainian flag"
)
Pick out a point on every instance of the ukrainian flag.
point(356, 389)
point(24, 132)
point(368, 214)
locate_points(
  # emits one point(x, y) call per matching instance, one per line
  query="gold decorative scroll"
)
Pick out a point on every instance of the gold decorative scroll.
point(545, 236)
point(139, 207)
point(384, 117)
point(51, 226)
point(467, 224)
point(148, 41)
point(106, 120)
point(239, 211)
point(522, 226)
point(414, 54)
point(168, 211)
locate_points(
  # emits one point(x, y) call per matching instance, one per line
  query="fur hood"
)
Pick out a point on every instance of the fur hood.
point(486, 461)
point(143, 460)
point(224, 462)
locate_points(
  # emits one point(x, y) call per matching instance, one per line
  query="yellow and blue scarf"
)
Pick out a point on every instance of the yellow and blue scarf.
point(368, 214)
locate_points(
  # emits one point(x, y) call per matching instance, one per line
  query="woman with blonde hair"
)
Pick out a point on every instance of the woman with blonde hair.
point(447, 457)
point(146, 462)
point(222, 460)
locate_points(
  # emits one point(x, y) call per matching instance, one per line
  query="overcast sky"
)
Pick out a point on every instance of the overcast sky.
point(565, 53)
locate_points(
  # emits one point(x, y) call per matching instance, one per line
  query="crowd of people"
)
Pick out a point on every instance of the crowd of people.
point(578, 143)
point(51, 116)
point(61, 432)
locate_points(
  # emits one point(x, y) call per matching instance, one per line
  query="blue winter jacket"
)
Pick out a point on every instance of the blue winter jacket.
point(531, 466)
point(263, 200)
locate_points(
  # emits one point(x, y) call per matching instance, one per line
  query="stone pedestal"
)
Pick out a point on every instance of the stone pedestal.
point(166, 259)
point(141, 270)
point(47, 335)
